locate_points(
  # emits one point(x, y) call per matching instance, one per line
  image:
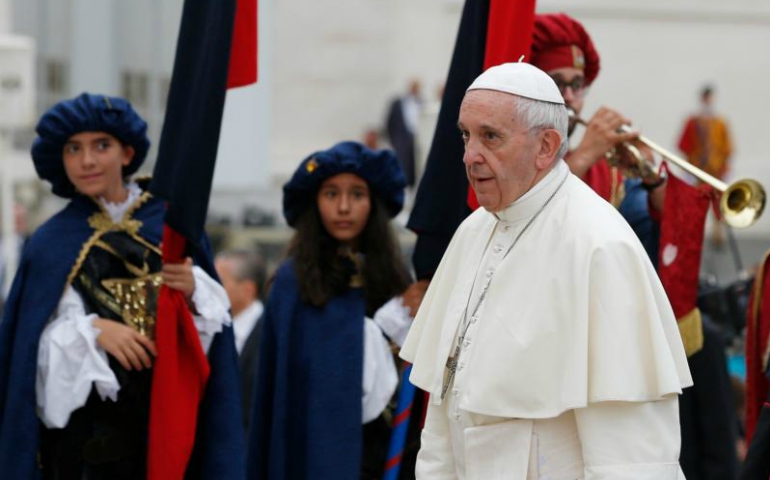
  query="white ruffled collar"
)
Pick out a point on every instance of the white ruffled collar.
point(117, 210)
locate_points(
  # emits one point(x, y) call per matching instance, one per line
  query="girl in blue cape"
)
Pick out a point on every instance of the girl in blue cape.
point(76, 340)
point(326, 372)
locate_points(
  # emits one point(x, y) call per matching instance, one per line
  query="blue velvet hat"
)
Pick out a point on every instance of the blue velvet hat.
point(86, 113)
point(380, 169)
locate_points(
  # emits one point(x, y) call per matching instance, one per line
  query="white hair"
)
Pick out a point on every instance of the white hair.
point(537, 116)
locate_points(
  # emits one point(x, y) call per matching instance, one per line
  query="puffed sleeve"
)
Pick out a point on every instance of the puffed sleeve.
point(380, 377)
point(69, 361)
point(394, 320)
point(211, 307)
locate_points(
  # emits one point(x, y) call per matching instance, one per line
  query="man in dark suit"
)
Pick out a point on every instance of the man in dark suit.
point(402, 124)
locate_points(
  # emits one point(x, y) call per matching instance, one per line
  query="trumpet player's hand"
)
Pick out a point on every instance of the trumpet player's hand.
point(656, 186)
point(601, 135)
point(627, 159)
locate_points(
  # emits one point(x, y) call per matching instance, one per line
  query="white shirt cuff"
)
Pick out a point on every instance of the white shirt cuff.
point(69, 362)
point(380, 374)
point(394, 319)
point(212, 306)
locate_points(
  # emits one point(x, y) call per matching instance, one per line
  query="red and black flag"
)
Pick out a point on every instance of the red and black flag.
point(216, 49)
point(491, 32)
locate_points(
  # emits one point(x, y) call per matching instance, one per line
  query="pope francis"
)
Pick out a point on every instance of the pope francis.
point(546, 341)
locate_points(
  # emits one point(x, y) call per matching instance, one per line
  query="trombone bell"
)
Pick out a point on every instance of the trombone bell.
point(742, 203)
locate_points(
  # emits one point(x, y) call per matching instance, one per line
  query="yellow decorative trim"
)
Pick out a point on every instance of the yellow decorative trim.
point(105, 299)
point(691, 330)
point(135, 297)
point(102, 223)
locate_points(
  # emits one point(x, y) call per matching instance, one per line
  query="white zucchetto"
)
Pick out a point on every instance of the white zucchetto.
point(520, 79)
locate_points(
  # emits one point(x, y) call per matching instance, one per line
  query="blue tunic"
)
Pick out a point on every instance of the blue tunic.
point(306, 421)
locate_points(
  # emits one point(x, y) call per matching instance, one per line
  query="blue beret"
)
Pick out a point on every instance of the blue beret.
point(86, 113)
point(380, 169)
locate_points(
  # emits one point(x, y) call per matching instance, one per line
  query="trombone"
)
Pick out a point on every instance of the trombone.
point(741, 203)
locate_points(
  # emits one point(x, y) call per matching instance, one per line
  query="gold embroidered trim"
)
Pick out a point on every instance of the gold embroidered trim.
point(135, 297)
point(105, 299)
point(691, 330)
point(102, 223)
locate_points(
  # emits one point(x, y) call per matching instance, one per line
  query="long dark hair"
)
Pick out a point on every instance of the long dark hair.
point(322, 273)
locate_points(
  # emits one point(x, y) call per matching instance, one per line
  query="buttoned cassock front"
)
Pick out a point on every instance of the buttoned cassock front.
point(572, 364)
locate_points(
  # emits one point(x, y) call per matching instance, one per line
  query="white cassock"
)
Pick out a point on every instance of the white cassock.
point(570, 368)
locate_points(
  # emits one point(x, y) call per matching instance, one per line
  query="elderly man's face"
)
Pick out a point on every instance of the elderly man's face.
point(499, 150)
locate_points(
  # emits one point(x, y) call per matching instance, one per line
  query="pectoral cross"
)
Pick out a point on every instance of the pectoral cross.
point(451, 368)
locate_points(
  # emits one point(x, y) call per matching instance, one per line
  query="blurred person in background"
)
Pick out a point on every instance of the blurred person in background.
point(243, 275)
point(402, 124)
point(371, 138)
point(706, 142)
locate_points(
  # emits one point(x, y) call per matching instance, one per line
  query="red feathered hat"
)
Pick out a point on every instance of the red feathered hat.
point(561, 41)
